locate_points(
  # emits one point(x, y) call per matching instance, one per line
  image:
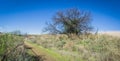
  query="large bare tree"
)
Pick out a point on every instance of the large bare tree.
point(70, 21)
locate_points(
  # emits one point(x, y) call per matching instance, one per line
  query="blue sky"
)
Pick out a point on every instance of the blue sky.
point(30, 15)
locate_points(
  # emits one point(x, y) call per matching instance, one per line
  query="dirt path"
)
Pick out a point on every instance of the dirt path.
point(39, 52)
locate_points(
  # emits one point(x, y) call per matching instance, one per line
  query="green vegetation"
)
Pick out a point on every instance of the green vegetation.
point(12, 48)
point(59, 48)
point(48, 54)
point(8, 41)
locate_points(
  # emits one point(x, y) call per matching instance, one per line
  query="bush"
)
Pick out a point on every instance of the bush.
point(12, 48)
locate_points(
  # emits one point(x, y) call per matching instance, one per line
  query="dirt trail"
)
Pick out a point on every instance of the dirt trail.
point(39, 52)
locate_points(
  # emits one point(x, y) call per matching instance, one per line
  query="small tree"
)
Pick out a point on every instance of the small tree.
point(71, 21)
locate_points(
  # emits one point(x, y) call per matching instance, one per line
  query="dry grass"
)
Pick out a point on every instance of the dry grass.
point(83, 48)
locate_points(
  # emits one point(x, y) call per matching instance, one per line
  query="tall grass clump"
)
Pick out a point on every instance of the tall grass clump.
point(12, 48)
point(105, 48)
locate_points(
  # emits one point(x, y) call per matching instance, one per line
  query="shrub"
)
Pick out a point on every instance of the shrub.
point(12, 48)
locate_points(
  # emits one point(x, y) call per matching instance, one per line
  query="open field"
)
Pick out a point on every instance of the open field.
point(112, 33)
point(103, 47)
point(61, 48)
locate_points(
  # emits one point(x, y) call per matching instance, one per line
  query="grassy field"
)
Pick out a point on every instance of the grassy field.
point(83, 48)
point(92, 47)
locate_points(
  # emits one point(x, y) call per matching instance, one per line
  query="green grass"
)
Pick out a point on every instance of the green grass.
point(48, 53)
